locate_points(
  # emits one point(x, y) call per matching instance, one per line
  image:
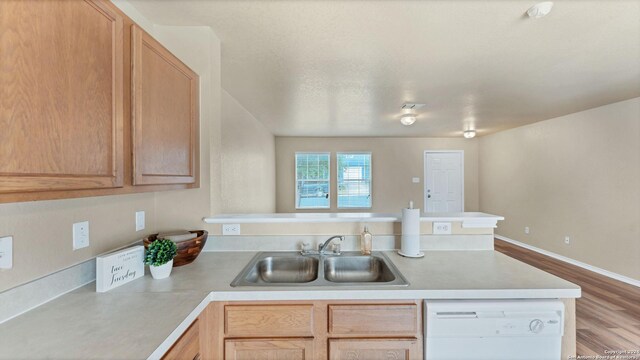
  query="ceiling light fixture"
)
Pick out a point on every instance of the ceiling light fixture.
point(408, 119)
point(469, 134)
point(540, 10)
point(409, 115)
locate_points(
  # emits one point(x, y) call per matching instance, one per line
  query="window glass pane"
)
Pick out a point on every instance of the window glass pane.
point(312, 180)
point(354, 180)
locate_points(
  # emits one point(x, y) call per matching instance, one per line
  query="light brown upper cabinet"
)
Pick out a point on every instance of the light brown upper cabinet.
point(61, 96)
point(165, 115)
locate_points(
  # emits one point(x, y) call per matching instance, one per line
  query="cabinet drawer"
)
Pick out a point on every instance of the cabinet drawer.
point(375, 349)
point(268, 320)
point(367, 320)
point(248, 349)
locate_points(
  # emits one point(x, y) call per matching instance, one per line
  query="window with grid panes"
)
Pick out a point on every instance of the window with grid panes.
point(354, 180)
point(312, 180)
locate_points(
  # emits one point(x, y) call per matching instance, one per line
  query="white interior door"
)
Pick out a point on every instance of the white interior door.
point(444, 181)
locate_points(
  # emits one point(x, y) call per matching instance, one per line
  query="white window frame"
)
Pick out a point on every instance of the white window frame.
point(295, 199)
point(370, 179)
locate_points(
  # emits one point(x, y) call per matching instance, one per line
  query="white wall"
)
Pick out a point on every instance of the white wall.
point(577, 175)
point(248, 161)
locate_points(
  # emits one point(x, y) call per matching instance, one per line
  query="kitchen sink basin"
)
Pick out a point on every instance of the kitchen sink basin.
point(357, 269)
point(284, 269)
point(294, 269)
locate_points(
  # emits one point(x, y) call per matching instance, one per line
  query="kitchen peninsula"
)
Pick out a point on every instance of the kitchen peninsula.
point(146, 317)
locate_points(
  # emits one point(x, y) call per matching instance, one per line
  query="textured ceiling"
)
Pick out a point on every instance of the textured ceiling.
point(344, 68)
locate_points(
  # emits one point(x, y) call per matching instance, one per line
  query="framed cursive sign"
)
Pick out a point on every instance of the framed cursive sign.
point(118, 268)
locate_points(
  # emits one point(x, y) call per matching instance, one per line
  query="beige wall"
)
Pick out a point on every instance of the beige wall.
point(248, 161)
point(576, 175)
point(395, 161)
point(42, 230)
point(42, 241)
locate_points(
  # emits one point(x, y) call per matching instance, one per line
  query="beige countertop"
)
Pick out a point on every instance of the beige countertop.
point(143, 318)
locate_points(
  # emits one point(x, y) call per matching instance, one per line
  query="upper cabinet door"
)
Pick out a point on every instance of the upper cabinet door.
point(61, 96)
point(165, 115)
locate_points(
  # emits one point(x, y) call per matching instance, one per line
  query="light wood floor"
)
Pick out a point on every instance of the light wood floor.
point(607, 314)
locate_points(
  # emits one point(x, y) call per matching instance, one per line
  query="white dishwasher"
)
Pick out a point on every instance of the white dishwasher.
point(493, 329)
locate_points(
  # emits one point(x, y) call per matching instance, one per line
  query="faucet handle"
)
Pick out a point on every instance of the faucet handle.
point(305, 247)
point(336, 248)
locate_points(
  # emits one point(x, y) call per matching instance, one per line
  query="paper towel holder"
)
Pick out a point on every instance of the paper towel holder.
point(410, 238)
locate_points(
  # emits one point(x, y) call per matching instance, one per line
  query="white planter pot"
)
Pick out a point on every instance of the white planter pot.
point(162, 271)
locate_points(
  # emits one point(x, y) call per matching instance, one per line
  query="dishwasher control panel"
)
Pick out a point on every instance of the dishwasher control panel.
point(494, 318)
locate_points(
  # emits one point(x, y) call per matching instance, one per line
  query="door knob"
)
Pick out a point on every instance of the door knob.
point(429, 196)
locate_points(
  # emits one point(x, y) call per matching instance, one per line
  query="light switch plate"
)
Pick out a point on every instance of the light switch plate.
point(416, 180)
point(80, 235)
point(231, 229)
point(441, 228)
point(139, 220)
point(6, 252)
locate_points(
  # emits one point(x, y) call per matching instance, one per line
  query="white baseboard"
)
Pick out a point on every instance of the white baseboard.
point(607, 273)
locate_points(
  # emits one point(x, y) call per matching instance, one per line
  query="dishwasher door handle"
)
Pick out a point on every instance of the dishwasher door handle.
point(456, 315)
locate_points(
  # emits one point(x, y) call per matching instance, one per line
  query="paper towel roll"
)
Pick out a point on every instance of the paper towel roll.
point(410, 244)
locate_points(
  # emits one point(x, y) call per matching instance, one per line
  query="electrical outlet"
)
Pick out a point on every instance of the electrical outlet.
point(6, 252)
point(80, 235)
point(526, 230)
point(416, 180)
point(231, 229)
point(139, 220)
point(567, 240)
point(441, 228)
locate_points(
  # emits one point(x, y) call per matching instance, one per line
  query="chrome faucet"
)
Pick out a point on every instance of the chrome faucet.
point(322, 247)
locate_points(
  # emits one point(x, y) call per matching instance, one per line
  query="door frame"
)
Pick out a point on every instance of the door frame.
point(424, 182)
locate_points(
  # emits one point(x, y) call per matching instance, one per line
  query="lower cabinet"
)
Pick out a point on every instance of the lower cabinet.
point(322, 330)
point(188, 345)
point(268, 349)
point(374, 349)
point(319, 330)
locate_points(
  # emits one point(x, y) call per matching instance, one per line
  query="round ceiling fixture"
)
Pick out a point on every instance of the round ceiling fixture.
point(409, 115)
point(540, 10)
point(408, 119)
point(469, 134)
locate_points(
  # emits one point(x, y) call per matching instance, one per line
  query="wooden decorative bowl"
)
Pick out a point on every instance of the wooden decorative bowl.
point(188, 250)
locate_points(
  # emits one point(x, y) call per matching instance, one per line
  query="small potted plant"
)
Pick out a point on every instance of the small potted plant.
point(159, 257)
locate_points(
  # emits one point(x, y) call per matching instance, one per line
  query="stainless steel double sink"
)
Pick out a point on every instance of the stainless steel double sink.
point(294, 269)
